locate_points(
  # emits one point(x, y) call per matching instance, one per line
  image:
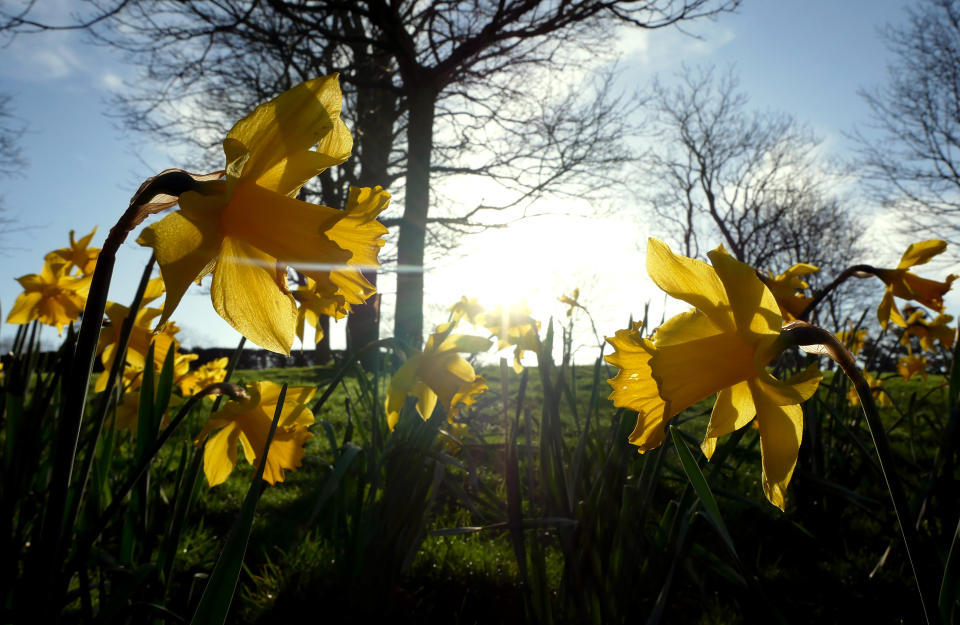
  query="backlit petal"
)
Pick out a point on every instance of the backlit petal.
point(220, 454)
point(921, 252)
point(781, 428)
point(290, 230)
point(754, 308)
point(185, 243)
point(690, 280)
point(702, 364)
point(733, 410)
point(245, 292)
point(295, 120)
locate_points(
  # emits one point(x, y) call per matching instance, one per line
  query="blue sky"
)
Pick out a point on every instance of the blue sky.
point(803, 57)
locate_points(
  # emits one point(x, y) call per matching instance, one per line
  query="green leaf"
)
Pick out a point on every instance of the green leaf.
point(950, 586)
point(695, 475)
point(218, 593)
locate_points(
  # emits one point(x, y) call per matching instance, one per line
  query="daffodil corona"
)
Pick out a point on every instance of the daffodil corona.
point(721, 346)
point(248, 228)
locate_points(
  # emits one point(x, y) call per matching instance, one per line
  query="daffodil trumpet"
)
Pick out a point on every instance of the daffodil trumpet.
point(813, 339)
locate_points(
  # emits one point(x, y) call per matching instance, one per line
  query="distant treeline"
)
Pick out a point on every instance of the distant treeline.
point(262, 359)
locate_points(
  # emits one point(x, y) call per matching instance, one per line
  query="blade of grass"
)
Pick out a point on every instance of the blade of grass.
point(218, 593)
point(699, 483)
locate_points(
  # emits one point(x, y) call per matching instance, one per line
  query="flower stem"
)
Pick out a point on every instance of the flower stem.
point(805, 334)
point(822, 295)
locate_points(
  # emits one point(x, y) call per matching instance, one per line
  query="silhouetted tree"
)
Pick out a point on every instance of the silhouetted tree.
point(438, 88)
point(913, 161)
point(750, 180)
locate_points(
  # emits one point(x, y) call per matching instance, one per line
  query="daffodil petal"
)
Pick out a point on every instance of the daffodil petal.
point(290, 230)
point(286, 448)
point(733, 409)
point(24, 306)
point(246, 294)
point(781, 428)
point(690, 280)
point(220, 455)
point(289, 176)
point(295, 120)
point(921, 252)
point(426, 400)
point(795, 389)
point(699, 365)
point(184, 243)
point(754, 308)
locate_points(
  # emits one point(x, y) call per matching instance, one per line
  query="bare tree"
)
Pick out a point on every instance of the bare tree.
point(912, 159)
point(728, 173)
point(448, 88)
point(11, 156)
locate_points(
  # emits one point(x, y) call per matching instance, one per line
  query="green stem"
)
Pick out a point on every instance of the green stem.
point(804, 334)
point(822, 295)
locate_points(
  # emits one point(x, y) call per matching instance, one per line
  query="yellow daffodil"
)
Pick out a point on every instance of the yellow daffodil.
point(905, 285)
point(929, 331)
point(52, 297)
point(141, 335)
point(205, 375)
point(722, 346)
point(313, 304)
point(437, 373)
point(787, 289)
point(248, 421)
point(572, 300)
point(248, 228)
point(514, 326)
point(908, 366)
point(853, 341)
point(469, 308)
point(876, 387)
point(79, 254)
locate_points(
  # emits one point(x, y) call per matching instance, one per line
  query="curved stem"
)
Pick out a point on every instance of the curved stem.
point(805, 334)
point(822, 295)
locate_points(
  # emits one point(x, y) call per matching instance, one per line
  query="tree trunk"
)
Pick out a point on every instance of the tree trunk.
point(376, 115)
point(408, 324)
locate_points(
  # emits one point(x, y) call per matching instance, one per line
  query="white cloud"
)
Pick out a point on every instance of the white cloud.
point(111, 81)
point(668, 47)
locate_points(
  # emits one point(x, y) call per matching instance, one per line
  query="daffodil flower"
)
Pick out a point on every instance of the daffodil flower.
point(313, 304)
point(205, 375)
point(909, 366)
point(905, 285)
point(929, 331)
point(248, 421)
point(79, 254)
point(787, 289)
point(514, 326)
point(437, 373)
point(247, 229)
point(52, 297)
point(853, 340)
point(722, 346)
point(876, 388)
point(572, 300)
point(141, 335)
point(468, 308)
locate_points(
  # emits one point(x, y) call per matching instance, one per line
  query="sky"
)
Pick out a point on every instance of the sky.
point(807, 58)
